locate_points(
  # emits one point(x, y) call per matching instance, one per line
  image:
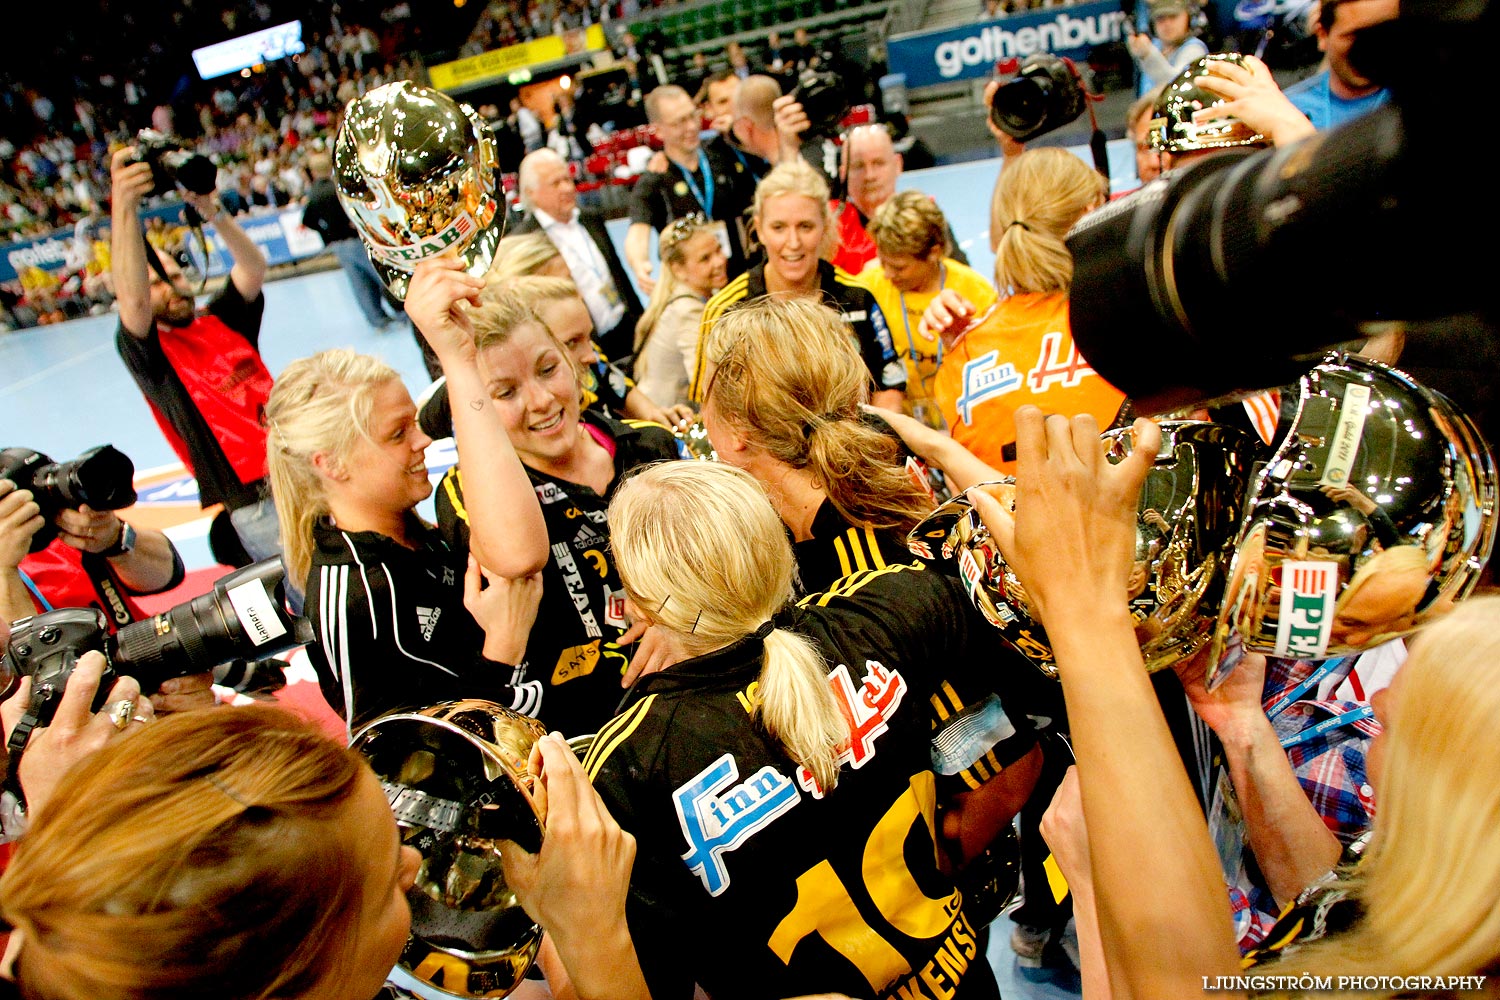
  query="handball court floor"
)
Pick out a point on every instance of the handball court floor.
point(63, 389)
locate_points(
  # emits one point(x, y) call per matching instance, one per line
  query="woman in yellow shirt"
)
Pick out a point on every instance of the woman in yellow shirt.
point(912, 265)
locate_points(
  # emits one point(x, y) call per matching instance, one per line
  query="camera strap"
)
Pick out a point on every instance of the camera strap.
point(16, 745)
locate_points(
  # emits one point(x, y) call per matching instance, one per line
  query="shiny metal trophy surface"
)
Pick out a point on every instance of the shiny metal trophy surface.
point(1189, 512)
point(693, 437)
point(455, 775)
point(1171, 127)
point(1375, 514)
point(416, 173)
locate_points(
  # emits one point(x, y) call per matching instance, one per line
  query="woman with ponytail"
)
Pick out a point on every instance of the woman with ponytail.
point(400, 617)
point(1022, 351)
point(779, 778)
point(783, 402)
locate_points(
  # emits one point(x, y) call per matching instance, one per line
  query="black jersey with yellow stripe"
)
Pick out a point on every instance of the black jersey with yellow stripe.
point(572, 650)
point(838, 548)
point(754, 882)
point(840, 291)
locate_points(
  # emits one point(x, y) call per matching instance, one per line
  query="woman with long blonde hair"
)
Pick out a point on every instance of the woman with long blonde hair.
point(794, 224)
point(778, 780)
point(400, 617)
point(666, 337)
point(503, 362)
point(783, 402)
point(1022, 352)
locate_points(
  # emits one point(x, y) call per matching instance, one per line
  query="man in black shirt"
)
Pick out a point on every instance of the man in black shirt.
point(697, 180)
point(324, 214)
point(201, 372)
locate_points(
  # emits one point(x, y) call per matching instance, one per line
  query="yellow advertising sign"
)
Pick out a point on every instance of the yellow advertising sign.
point(501, 62)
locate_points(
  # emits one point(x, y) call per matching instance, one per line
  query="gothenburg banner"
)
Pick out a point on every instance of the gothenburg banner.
point(970, 52)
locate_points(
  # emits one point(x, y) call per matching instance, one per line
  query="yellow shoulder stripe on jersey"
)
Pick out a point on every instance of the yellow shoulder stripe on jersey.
point(638, 424)
point(854, 582)
point(453, 485)
point(730, 294)
point(615, 732)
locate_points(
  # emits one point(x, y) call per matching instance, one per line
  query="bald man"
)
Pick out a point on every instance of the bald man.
point(870, 167)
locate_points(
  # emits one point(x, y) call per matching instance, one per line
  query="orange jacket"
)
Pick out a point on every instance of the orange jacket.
point(1022, 354)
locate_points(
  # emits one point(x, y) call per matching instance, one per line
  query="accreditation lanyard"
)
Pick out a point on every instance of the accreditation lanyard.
point(911, 346)
point(31, 586)
point(1348, 718)
point(705, 194)
point(1342, 666)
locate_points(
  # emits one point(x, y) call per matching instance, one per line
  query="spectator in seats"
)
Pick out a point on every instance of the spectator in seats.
point(801, 52)
point(776, 54)
point(792, 219)
point(401, 618)
point(697, 180)
point(696, 75)
point(912, 266)
point(739, 63)
point(324, 214)
point(179, 357)
point(550, 201)
point(1159, 59)
point(1338, 92)
point(1022, 353)
point(666, 337)
point(548, 480)
point(527, 125)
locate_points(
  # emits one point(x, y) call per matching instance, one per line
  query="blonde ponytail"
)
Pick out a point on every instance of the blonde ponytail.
point(686, 535)
point(787, 373)
point(1039, 196)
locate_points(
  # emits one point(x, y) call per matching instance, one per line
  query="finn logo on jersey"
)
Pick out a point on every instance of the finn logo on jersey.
point(718, 815)
point(985, 379)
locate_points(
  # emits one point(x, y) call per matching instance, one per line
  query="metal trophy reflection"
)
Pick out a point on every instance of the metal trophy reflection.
point(1375, 514)
point(1188, 516)
point(456, 777)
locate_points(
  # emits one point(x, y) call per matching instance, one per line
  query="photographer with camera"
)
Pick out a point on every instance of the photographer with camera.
point(95, 560)
point(201, 371)
point(1161, 58)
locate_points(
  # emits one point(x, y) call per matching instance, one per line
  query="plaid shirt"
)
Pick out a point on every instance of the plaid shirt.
point(1331, 769)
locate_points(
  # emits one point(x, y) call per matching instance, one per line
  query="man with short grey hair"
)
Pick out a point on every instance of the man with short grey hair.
point(550, 201)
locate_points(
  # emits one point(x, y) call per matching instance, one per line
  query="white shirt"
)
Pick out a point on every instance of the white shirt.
point(589, 269)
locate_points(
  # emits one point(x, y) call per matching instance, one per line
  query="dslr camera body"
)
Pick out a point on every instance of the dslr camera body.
point(823, 100)
point(172, 164)
point(245, 616)
point(1047, 93)
point(102, 477)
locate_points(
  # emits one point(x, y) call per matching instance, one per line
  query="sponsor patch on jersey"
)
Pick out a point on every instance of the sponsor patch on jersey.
point(587, 538)
point(575, 662)
point(614, 609)
point(574, 582)
point(867, 710)
point(549, 493)
point(893, 374)
point(427, 619)
point(1309, 591)
point(984, 378)
point(718, 815)
point(1056, 366)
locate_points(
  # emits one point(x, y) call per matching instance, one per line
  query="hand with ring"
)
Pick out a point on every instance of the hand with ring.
point(74, 732)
